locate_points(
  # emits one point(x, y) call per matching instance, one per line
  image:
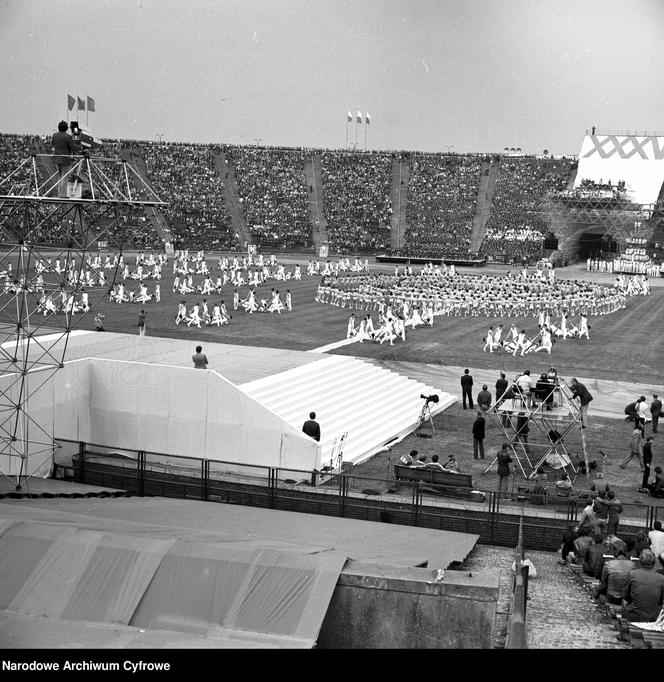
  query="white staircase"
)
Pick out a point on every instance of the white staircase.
point(372, 404)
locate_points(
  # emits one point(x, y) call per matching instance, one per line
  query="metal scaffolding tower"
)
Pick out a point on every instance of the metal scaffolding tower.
point(50, 227)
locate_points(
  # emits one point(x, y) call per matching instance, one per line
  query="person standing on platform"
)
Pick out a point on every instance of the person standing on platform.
point(199, 358)
point(311, 427)
point(467, 389)
point(63, 148)
point(655, 411)
point(583, 394)
point(478, 436)
point(141, 322)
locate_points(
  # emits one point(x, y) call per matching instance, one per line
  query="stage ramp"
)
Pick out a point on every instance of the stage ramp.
point(371, 405)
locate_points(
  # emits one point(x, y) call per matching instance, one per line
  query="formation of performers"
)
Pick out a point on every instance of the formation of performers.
point(417, 298)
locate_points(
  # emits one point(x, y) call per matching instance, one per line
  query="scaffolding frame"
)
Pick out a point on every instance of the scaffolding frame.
point(554, 416)
point(50, 225)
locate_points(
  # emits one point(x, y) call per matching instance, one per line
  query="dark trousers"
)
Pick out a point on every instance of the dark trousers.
point(478, 445)
point(655, 421)
point(646, 476)
point(467, 393)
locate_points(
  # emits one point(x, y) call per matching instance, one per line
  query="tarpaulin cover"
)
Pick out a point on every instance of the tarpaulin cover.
point(241, 596)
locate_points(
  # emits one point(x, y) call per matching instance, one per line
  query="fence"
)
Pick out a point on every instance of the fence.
point(496, 518)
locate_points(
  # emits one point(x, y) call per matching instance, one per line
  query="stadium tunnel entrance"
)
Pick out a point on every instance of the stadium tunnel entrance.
point(588, 241)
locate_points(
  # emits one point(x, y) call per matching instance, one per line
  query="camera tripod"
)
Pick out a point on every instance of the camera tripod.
point(425, 416)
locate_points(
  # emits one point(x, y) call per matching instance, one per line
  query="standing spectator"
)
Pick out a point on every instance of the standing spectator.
point(522, 430)
point(484, 398)
point(635, 447)
point(644, 592)
point(467, 388)
point(583, 394)
point(141, 322)
point(199, 358)
point(501, 387)
point(655, 411)
point(478, 436)
point(647, 461)
point(504, 467)
point(311, 427)
point(63, 148)
point(614, 510)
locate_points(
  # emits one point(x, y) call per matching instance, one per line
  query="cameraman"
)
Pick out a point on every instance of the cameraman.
point(63, 148)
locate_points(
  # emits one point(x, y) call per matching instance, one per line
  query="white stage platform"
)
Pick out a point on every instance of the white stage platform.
point(129, 392)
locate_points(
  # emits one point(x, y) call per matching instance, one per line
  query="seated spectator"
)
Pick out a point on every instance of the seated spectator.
point(421, 462)
point(567, 545)
point(656, 538)
point(656, 487)
point(451, 464)
point(593, 562)
point(638, 543)
point(434, 464)
point(563, 483)
point(614, 575)
point(409, 459)
point(643, 597)
point(583, 541)
point(484, 398)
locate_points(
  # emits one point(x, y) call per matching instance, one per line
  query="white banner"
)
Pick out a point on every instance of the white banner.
point(638, 160)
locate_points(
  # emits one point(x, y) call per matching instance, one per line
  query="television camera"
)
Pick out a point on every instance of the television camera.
point(433, 398)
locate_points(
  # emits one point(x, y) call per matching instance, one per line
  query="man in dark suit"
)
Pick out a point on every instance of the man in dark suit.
point(467, 388)
point(478, 436)
point(63, 149)
point(655, 411)
point(311, 427)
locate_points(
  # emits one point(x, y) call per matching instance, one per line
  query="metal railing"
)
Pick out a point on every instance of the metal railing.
point(494, 516)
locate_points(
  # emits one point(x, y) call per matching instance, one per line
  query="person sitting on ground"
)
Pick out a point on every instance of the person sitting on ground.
point(434, 464)
point(567, 545)
point(563, 483)
point(451, 464)
point(408, 459)
point(643, 597)
point(656, 488)
point(614, 575)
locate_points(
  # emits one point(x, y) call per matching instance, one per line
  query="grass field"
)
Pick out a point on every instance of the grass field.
point(624, 346)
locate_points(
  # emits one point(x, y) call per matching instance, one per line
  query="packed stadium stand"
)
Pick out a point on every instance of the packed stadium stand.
point(357, 200)
point(405, 204)
point(516, 227)
point(273, 194)
point(442, 192)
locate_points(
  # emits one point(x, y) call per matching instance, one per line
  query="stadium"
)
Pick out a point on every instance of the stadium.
point(147, 504)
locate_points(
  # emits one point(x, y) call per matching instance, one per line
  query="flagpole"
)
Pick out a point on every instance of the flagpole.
point(365, 135)
point(87, 125)
point(346, 132)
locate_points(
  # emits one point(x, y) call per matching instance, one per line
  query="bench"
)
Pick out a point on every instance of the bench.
point(439, 481)
point(554, 496)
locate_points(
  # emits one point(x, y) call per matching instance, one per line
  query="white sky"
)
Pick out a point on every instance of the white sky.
point(472, 75)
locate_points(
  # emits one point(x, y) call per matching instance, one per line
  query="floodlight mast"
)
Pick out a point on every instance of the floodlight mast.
point(40, 224)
